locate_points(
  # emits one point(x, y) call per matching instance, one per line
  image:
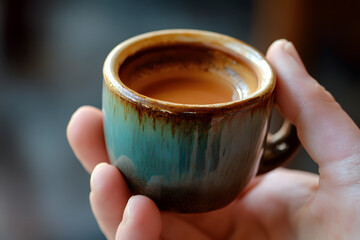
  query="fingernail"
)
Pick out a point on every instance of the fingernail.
point(291, 50)
point(127, 212)
point(95, 179)
point(289, 47)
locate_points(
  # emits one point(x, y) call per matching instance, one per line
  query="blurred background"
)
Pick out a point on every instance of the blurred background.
point(51, 56)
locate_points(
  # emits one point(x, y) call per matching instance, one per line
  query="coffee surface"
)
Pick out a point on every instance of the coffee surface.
point(188, 75)
point(192, 89)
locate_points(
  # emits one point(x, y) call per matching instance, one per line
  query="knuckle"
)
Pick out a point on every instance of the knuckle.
point(323, 94)
point(348, 172)
point(316, 98)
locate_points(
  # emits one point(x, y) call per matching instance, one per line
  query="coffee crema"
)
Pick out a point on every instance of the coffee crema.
point(188, 74)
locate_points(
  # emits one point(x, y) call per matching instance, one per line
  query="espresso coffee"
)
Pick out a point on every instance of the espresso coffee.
point(188, 74)
point(201, 155)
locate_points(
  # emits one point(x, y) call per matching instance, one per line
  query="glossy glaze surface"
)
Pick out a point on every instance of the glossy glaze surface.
point(187, 158)
point(184, 162)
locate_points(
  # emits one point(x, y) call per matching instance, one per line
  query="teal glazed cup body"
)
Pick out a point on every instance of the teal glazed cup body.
point(187, 157)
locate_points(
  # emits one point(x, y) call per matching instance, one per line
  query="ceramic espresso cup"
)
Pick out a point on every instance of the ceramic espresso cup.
point(191, 157)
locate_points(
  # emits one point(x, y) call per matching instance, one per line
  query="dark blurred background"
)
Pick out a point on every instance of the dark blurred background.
point(51, 56)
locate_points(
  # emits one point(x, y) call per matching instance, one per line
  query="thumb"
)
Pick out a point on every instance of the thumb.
point(141, 220)
point(327, 133)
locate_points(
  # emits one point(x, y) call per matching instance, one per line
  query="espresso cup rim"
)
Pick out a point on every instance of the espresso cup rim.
point(256, 60)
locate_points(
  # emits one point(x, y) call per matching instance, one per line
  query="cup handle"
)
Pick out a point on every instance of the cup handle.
point(279, 147)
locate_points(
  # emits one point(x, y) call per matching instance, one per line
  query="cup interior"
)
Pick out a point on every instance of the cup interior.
point(189, 74)
point(144, 63)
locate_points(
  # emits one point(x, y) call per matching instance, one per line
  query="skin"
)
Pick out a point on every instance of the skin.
point(283, 204)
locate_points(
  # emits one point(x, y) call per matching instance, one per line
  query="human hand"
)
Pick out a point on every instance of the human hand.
point(283, 204)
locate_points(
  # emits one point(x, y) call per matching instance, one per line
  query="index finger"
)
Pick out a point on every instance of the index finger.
point(325, 130)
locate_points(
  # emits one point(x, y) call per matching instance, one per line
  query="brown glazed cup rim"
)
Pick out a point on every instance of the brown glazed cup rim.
point(265, 75)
